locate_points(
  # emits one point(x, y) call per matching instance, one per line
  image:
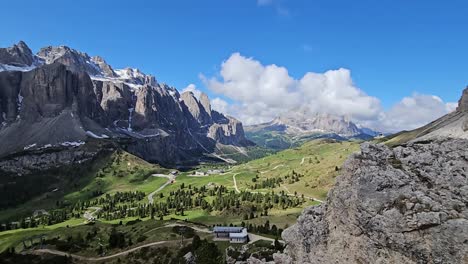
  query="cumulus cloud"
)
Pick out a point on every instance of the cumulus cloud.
point(262, 92)
point(413, 112)
point(219, 105)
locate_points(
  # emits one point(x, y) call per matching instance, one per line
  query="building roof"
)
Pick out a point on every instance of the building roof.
point(239, 235)
point(228, 229)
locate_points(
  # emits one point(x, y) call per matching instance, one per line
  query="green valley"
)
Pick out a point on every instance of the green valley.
point(121, 188)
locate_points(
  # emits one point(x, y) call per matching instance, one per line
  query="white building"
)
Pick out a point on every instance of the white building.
point(232, 233)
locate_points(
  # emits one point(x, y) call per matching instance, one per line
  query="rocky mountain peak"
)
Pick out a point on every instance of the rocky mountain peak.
point(75, 60)
point(305, 121)
point(136, 77)
point(205, 102)
point(197, 110)
point(19, 55)
point(463, 102)
point(105, 68)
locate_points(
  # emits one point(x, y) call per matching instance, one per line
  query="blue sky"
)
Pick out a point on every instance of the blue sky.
point(392, 48)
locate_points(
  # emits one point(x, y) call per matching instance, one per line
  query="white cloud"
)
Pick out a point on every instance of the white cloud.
point(413, 112)
point(219, 105)
point(450, 107)
point(192, 88)
point(262, 92)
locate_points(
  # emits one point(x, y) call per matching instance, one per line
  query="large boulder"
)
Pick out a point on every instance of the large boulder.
point(401, 205)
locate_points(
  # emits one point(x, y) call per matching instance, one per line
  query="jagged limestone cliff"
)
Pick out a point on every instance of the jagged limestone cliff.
point(62, 95)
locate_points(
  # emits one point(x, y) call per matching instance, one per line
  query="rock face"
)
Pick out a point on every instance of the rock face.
point(300, 125)
point(401, 205)
point(63, 95)
point(302, 121)
point(18, 55)
point(463, 102)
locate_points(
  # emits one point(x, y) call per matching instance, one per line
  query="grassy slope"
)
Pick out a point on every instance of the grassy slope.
point(319, 176)
point(320, 159)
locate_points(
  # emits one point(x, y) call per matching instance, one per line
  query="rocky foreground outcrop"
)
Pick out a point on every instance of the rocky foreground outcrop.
point(402, 205)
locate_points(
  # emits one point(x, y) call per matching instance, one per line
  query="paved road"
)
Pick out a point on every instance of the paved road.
point(169, 181)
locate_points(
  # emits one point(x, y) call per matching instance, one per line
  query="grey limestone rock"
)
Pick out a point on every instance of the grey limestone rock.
point(401, 205)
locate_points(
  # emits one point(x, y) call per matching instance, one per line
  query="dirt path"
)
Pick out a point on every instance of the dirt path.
point(299, 195)
point(253, 238)
point(235, 182)
point(170, 178)
point(62, 253)
point(277, 166)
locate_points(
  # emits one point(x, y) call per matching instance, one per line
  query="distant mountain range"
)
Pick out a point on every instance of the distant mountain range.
point(299, 125)
point(61, 98)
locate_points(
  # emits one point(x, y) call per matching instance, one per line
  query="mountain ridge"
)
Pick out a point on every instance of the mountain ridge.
point(64, 95)
point(297, 126)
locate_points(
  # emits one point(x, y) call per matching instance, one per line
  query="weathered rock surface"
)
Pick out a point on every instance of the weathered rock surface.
point(228, 133)
point(303, 121)
point(463, 102)
point(401, 205)
point(75, 60)
point(44, 160)
point(18, 55)
point(198, 110)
